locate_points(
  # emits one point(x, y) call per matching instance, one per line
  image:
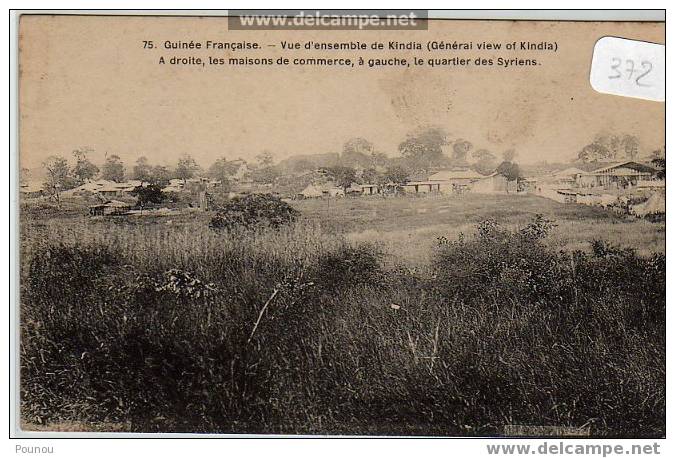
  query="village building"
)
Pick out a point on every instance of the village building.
point(616, 175)
point(446, 182)
point(354, 189)
point(329, 189)
point(421, 187)
point(311, 192)
point(196, 184)
point(651, 185)
point(109, 208)
point(492, 184)
point(566, 177)
point(114, 190)
point(456, 178)
point(466, 180)
point(370, 189)
point(105, 188)
point(175, 185)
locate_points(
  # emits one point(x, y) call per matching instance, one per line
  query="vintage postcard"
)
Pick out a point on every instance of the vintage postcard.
point(341, 223)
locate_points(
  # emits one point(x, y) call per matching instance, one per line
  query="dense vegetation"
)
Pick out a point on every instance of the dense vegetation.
point(253, 211)
point(155, 327)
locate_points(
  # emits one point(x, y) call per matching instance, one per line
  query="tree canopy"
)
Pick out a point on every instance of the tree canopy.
point(113, 169)
point(424, 149)
point(150, 194)
point(397, 175)
point(343, 176)
point(460, 151)
point(485, 161)
point(59, 177)
point(186, 167)
point(510, 170)
point(142, 170)
point(84, 169)
point(605, 147)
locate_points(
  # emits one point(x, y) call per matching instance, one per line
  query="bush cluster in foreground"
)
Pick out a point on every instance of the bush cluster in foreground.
point(500, 330)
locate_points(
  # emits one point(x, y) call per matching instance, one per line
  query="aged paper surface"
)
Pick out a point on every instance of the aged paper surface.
point(121, 100)
point(413, 232)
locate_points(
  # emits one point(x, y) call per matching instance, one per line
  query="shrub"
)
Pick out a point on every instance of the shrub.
point(254, 211)
point(612, 273)
point(499, 263)
point(150, 194)
point(349, 265)
point(57, 270)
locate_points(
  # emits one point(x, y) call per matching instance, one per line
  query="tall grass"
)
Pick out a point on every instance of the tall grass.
point(151, 326)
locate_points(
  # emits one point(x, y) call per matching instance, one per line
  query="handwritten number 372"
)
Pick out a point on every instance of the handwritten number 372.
point(631, 70)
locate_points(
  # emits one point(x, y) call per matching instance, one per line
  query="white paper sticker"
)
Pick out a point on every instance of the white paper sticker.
point(629, 68)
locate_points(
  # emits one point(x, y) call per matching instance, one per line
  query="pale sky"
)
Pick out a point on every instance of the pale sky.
point(87, 81)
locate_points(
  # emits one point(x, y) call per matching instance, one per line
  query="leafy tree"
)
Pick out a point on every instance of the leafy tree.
point(594, 152)
point(142, 170)
point(378, 159)
point(610, 147)
point(358, 145)
point(222, 169)
point(510, 170)
point(58, 177)
point(265, 175)
point(343, 176)
point(187, 168)
point(485, 161)
point(150, 194)
point(159, 175)
point(369, 176)
point(460, 151)
point(396, 175)
point(424, 150)
point(84, 169)
point(113, 169)
point(631, 146)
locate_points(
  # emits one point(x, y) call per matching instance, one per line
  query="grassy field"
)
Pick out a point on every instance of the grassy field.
point(409, 227)
point(372, 325)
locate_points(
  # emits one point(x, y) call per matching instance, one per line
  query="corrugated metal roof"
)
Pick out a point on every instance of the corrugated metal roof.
point(447, 175)
point(569, 172)
point(626, 164)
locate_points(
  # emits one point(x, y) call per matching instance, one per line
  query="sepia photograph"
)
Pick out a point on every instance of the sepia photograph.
point(321, 223)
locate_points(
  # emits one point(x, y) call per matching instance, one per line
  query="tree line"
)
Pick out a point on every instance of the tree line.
point(608, 147)
point(358, 162)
